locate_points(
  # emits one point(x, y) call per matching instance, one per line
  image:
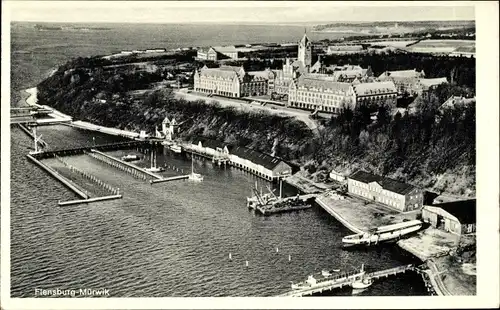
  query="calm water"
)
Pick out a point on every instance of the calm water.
point(167, 239)
point(170, 239)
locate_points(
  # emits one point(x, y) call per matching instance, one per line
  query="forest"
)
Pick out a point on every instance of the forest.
point(430, 147)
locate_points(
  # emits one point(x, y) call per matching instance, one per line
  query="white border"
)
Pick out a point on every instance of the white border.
point(487, 186)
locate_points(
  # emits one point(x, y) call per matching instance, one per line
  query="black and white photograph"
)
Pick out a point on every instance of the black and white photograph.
point(248, 149)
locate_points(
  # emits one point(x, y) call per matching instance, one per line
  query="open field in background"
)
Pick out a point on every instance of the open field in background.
point(440, 46)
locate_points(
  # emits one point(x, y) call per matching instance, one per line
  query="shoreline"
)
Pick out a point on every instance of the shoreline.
point(300, 183)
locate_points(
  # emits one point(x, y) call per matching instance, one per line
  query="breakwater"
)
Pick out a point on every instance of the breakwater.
point(75, 188)
point(112, 190)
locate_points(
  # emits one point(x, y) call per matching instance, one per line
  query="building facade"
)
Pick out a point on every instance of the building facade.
point(230, 81)
point(376, 93)
point(406, 81)
point(391, 193)
point(458, 217)
point(313, 92)
point(263, 165)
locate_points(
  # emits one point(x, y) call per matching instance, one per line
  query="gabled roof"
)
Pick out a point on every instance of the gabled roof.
point(463, 210)
point(226, 72)
point(304, 39)
point(433, 82)
point(457, 100)
point(386, 183)
point(374, 88)
point(402, 74)
point(324, 83)
point(265, 160)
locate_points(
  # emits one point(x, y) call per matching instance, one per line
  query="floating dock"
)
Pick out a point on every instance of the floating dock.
point(345, 279)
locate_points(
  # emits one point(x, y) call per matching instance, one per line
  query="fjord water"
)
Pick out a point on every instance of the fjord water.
point(170, 239)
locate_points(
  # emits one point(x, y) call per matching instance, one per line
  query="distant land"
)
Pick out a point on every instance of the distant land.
point(393, 27)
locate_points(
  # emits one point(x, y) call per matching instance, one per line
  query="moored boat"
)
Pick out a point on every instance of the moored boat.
point(383, 233)
point(194, 176)
point(362, 284)
point(130, 157)
point(176, 148)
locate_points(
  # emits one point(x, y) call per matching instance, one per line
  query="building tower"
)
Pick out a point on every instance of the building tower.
point(305, 51)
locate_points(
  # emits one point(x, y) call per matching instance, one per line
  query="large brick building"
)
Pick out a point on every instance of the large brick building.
point(230, 81)
point(392, 193)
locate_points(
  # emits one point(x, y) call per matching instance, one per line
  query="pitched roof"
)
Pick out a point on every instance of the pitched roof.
point(223, 72)
point(386, 183)
point(321, 82)
point(374, 88)
point(265, 160)
point(457, 100)
point(433, 82)
point(463, 210)
point(402, 74)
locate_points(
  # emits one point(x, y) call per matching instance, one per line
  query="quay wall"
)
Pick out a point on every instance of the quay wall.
point(342, 220)
point(59, 177)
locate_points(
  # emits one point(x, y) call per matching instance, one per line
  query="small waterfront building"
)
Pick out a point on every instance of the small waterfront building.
point(392, 193)
point(258, 163)
point(426, 84)
point(405, 80)
point(458, 217)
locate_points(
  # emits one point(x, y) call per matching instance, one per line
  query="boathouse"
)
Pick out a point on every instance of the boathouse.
point(389, 192)
point(255, 162)
point(458, 217)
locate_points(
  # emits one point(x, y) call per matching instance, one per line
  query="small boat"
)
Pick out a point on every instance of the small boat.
point(383, 233)
point(325, 273)
point(194, 176)
point(311, 281)
point(362, 284)
point(176, 148)
point(130, 157)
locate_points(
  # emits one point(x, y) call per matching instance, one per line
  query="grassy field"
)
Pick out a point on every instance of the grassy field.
point(440, 46)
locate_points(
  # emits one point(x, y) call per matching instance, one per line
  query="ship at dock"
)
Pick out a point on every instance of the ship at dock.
point(358, 279)
point(269, 203)
point(383, 233)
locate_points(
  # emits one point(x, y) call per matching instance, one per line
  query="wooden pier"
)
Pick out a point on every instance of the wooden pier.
point(178, 177)
point(346, 279)
point(88, 200)
point(68, 183)
point(123, 165)
point(100, 147)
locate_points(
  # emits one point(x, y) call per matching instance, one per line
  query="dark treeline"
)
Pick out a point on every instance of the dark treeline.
point(462, 69)
point(419, 147)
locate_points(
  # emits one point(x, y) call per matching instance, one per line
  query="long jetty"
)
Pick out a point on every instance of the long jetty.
point(75, 188)
point(345, 279)
point(81, 150)
point(123, 165)
point(30, 134)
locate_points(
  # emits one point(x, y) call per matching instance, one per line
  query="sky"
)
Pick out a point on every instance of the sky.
point(235, 11)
